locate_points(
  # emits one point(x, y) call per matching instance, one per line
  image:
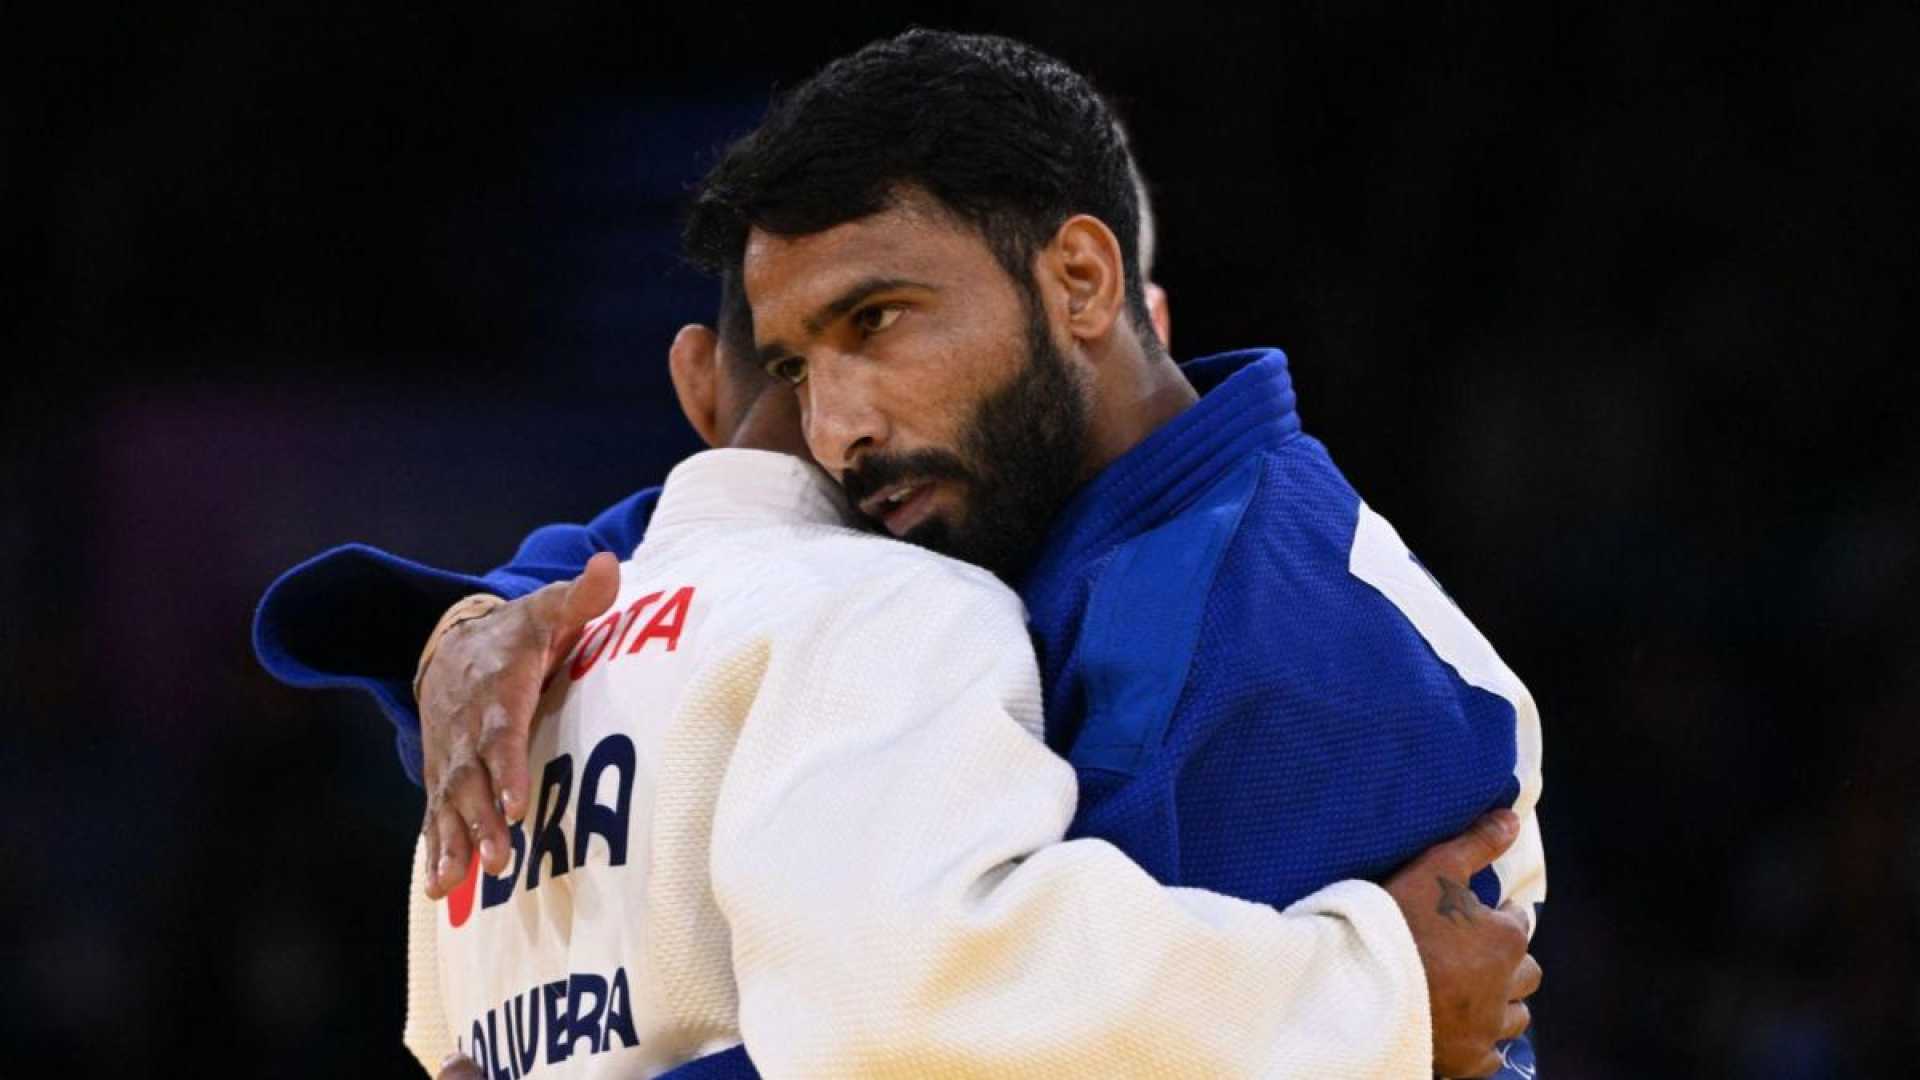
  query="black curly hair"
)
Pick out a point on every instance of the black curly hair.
point(1008, 139)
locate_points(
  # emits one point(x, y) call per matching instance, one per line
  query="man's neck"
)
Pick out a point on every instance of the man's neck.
point(1136, 391)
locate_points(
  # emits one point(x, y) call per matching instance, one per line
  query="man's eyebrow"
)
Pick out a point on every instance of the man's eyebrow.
point(850, 298)
point(816, 323)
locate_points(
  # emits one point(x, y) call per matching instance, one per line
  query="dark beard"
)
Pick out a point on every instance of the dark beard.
point(1020, 458)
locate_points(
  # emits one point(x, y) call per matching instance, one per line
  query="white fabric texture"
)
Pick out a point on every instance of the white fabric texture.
point(845, 848)
point(426, 1032)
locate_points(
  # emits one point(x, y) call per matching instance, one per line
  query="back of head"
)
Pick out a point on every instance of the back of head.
point(1009, 140)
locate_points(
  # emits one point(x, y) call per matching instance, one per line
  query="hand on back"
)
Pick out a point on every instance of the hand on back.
point(477, 699)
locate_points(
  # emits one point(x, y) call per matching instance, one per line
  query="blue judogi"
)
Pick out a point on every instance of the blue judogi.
point(1260, 689)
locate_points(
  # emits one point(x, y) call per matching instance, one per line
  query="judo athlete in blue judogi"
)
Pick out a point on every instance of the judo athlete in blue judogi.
point(1261, 690)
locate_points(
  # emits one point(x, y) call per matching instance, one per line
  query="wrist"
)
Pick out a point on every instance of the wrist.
point(466, 609)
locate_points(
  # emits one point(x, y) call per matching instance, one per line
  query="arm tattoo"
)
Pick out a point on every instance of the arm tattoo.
point(1457, 901)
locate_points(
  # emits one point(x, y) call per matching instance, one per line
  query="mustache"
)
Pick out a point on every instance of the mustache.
point(878, 471)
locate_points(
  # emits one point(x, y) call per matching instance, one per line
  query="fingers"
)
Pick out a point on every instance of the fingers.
point(469, 797)
point(1516, 1021)
point(503, 747)
point(563, 617)
point(1478, 970)
point(1521, 915)
point(1488, 1065)
point(564, 606)
point(475, 795)
point(1526, 979)
point(1517, 928)
point(559, 613)
point(1484, 841)
point(449, 867)
point(1515, 1018)
point(593, 592)
point(430, 832)
point(460, 1067)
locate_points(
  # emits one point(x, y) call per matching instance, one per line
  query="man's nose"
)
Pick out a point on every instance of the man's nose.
point(843, 419)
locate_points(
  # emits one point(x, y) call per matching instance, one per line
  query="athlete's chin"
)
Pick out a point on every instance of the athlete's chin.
point(936, 534)
point(999, 553)
point(936, 519)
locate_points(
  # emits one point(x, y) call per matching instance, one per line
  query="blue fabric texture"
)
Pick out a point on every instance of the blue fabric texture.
point(1244, 714)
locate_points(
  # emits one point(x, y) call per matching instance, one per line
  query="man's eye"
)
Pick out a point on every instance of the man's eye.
point(877, 318)
point(791, 369)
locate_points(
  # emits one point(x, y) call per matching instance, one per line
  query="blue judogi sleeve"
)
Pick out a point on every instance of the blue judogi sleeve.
point(356, 616)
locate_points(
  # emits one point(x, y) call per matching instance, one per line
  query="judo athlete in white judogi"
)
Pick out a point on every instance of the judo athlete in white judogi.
point(792, 791)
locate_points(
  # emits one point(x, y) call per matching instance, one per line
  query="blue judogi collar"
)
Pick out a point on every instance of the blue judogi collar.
point(1246, 405)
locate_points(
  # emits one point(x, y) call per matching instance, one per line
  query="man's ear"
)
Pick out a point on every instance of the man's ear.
point(1085, 262)
point(693, 361)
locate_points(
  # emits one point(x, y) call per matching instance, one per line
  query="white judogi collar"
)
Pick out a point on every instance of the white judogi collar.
point(734, 486)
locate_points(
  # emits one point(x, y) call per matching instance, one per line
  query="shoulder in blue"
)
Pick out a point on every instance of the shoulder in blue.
point(1245, 714)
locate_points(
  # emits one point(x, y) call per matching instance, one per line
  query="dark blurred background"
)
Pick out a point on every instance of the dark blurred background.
point(1611, 312)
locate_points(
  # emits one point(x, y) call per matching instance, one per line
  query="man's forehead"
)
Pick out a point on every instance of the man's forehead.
point(777, 268)
point(786, 277)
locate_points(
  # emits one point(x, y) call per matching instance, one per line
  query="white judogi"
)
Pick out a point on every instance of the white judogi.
point(819, 751)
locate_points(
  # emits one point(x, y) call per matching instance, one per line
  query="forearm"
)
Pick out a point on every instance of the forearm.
point(901, 901)
point(1074, 963)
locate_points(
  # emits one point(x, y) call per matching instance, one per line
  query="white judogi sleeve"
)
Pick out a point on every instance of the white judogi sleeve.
point(425, 1034)
point(887, 851)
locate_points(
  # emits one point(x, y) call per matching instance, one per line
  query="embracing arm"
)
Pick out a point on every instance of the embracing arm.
point(888, 852)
